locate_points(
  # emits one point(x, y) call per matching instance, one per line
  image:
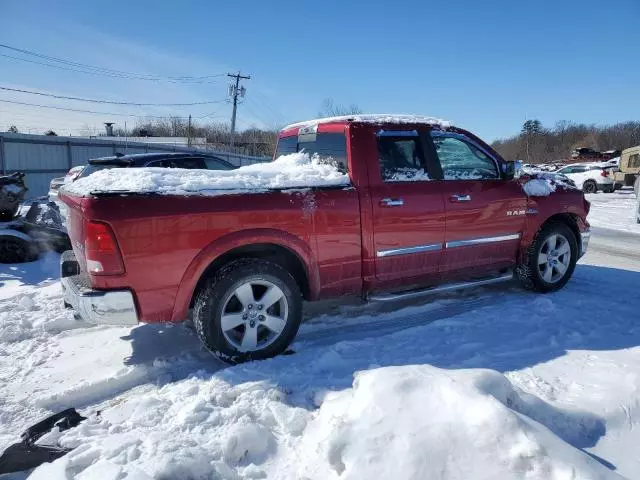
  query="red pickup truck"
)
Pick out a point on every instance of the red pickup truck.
point(429, 208)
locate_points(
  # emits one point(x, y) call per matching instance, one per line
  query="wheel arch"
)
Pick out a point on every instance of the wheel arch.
point(572, 220)
point(282, 248)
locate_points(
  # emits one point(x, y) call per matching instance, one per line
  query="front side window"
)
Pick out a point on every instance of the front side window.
point(329, 147)
point(461, 160)
point(401, 158)
point(634, 160)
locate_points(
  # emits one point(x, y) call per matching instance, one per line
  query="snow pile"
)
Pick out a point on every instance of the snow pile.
point(424, 422)
point(537, 187)
point(396, 422)
point(34, 315)
point(375, 118)
point(288, 171)
point(543, 184)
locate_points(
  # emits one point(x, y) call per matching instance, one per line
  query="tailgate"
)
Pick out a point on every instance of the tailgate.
point(75, 226)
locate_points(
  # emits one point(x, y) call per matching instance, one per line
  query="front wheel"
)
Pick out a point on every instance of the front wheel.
point(250, 310)
point(551, 259)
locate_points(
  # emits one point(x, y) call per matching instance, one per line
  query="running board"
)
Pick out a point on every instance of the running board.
point(390, 297)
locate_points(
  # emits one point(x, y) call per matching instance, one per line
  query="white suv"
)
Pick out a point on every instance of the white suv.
point(590, 177)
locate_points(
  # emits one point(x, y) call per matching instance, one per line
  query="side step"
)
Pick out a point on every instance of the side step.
point(390, 297)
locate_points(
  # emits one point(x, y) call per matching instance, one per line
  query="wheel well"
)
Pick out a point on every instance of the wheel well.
point(267, 251)
point(569, 219)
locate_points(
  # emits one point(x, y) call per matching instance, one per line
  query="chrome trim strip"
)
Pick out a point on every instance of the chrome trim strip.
point(480, 241)
point(408, 250)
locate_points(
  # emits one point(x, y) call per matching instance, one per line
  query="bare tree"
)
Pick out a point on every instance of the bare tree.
point(330, 109)
point(540, 145)
point(88, 130)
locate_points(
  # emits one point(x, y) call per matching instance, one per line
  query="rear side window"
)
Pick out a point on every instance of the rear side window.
point(401, 158)
point(461, 160)
point(329, 147)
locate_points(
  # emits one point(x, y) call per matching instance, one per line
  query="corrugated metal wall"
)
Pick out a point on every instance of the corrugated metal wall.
point(43, 158)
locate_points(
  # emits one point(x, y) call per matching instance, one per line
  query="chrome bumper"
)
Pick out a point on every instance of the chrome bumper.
point(584, 242)
point(112, 307)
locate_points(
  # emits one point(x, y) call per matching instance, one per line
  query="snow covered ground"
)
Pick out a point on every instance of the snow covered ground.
point(614, 210)
point(490, 383)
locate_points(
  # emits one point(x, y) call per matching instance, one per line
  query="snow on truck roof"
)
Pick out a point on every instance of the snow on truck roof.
point(378, 118)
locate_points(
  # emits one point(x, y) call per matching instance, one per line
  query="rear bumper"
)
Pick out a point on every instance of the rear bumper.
point(584, 242)
point(112, 307)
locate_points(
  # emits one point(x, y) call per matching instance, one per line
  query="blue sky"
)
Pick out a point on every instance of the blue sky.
point(486, 66)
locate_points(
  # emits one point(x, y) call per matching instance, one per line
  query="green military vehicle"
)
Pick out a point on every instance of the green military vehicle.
point(629, 169)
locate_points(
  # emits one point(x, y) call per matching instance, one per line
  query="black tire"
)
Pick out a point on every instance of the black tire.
point(590, 186)
point(529, 272)
point(219, 290)
point(16, 250)
point(608, 189)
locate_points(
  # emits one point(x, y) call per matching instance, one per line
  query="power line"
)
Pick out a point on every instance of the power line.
point(85, 68)
point(110, 102)
point(101, 74)
point(105, 113)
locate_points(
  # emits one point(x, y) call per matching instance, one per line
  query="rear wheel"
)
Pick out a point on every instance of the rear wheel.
point(551, 259)
point(250, 310)
point(590, 186)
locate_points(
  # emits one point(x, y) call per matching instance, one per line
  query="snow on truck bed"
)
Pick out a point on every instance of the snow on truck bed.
point(297, 170)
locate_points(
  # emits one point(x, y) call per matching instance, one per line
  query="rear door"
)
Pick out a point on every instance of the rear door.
point(407, 212)
point(485, 214)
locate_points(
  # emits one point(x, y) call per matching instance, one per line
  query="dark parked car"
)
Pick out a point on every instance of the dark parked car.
point(165, 160)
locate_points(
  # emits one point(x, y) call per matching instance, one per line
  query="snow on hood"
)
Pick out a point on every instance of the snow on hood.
point(377, 118)
point(288, 171)
point(543, 184)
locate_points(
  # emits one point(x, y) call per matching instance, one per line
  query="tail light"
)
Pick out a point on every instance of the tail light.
point(101, 250)
point(604, 173)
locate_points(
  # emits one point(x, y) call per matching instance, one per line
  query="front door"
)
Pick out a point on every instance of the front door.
point(408, 213)
point(485, 215)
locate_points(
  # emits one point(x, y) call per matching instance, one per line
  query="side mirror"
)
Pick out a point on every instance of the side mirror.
point(512, 169)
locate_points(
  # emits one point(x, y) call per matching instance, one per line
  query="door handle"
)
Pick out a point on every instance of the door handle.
point(391, 202)
point(460, 198)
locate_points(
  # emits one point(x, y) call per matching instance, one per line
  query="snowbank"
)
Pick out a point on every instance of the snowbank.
point(544, 184)
point(423, 422)
point(376, 118)
point(288, 171)
point(408, 422)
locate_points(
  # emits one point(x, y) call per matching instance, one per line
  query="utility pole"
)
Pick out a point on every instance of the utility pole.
point(234, 92)
point(189, 133)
